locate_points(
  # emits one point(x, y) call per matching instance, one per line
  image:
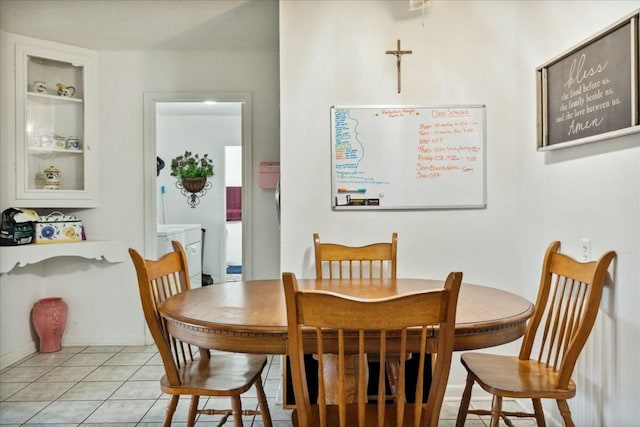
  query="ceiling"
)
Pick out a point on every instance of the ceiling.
point(172, 25)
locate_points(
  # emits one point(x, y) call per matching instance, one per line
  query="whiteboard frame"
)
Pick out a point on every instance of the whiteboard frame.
point(482, 205)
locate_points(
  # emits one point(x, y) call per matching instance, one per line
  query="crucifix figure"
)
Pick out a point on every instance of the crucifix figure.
point(398, 53)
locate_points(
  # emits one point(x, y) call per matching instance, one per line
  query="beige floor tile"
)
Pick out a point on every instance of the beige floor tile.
point(46, 359)
point(148, 373)
point(108, 386)
point(19, 412)
point(37, 392)
point(138, 390)
point(113, 349)
point(140, 349)
point(123, 358)
point(66, 373)
point(156, 359)
point(8, 389)
point(26, 374)
point(121, 411)
point(66, 412)
point(87, 359)
point(72, 349)
point(157, 411)
point(92, 390)
point(111, 373)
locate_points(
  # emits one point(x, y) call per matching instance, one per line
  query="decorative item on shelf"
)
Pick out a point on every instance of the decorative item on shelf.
point(59, 142)
point(58, 228)
point(67, 91)
point(51, 178)
point(47, 141)
point(17, 226)
point(191, 172)
point(49, 317)
point(73, 143)
point(39, 87)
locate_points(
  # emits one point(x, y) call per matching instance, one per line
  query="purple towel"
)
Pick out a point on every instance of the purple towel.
point(234, 203)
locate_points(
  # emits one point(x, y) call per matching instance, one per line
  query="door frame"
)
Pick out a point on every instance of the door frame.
point(150, 167)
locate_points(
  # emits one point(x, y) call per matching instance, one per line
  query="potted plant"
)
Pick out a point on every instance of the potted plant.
point(192, 170)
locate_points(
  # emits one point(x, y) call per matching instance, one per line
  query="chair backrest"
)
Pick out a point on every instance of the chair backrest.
point(344, 325)
point(565, 310)
point(157, 281)
point(370, 261)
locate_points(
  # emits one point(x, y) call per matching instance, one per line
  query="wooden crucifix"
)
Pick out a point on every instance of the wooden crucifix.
point(398, 53)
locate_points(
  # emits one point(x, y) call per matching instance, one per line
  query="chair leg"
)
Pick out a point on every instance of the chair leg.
point(263, 404)
point(193, 410)
point(171, 408)
point(496, 409)
point(464, 403)
point(537, 409)
point(236, 408)
point(565, 412)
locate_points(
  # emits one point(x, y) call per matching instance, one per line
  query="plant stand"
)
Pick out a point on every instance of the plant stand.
point(193, 189)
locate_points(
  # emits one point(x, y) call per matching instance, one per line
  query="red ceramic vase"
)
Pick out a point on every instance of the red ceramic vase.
point(49, 317)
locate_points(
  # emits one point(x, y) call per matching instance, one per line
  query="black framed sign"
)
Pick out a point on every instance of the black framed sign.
point(590, 92)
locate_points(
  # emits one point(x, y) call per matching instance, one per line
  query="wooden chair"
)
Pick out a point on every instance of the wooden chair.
point(188, 370)
point(375, 260)
point(566, 309)
point(346, 326)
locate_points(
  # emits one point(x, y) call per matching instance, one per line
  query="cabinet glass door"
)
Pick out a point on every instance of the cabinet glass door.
point(55, 126)
point(54, 137)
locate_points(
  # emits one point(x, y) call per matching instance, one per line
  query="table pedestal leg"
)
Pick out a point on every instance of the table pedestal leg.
point(332, 378)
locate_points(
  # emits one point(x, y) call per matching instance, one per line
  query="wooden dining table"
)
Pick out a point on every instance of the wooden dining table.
point(250, 316)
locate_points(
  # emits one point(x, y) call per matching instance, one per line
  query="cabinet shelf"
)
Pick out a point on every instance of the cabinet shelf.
point(42, 150)
point(21, 256)
point(53, 97)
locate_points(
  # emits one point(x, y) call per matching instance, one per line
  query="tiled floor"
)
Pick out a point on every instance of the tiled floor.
point(118, 386)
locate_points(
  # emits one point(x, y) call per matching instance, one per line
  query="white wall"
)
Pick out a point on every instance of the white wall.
point(103, 299)
point(591, 191)
point(468, 52)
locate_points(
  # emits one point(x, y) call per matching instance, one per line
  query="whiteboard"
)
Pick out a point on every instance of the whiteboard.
point(408, 157)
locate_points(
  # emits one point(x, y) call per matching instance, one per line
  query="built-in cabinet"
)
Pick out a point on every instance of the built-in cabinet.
point(56, 131)
point(49, 158)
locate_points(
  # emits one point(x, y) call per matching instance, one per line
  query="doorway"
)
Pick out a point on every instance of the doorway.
point(203, 123)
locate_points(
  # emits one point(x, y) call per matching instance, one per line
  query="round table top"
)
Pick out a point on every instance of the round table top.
point(250, 316)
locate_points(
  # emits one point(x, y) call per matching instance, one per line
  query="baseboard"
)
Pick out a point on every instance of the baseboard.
point(454, 392)
point(100, 340)
point(15, 355)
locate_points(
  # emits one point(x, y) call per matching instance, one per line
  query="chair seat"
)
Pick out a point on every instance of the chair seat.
point(221, 375)
point(352, 415)
point(509, 376)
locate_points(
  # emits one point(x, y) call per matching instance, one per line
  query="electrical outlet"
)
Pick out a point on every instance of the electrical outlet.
point(586, 250)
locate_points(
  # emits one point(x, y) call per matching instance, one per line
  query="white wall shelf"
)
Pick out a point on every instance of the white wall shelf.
point(36, 150)
point(56, 98)
point(21, 256)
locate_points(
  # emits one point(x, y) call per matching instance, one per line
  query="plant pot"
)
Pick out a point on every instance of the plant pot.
point(194, 185)
point(49, 317)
